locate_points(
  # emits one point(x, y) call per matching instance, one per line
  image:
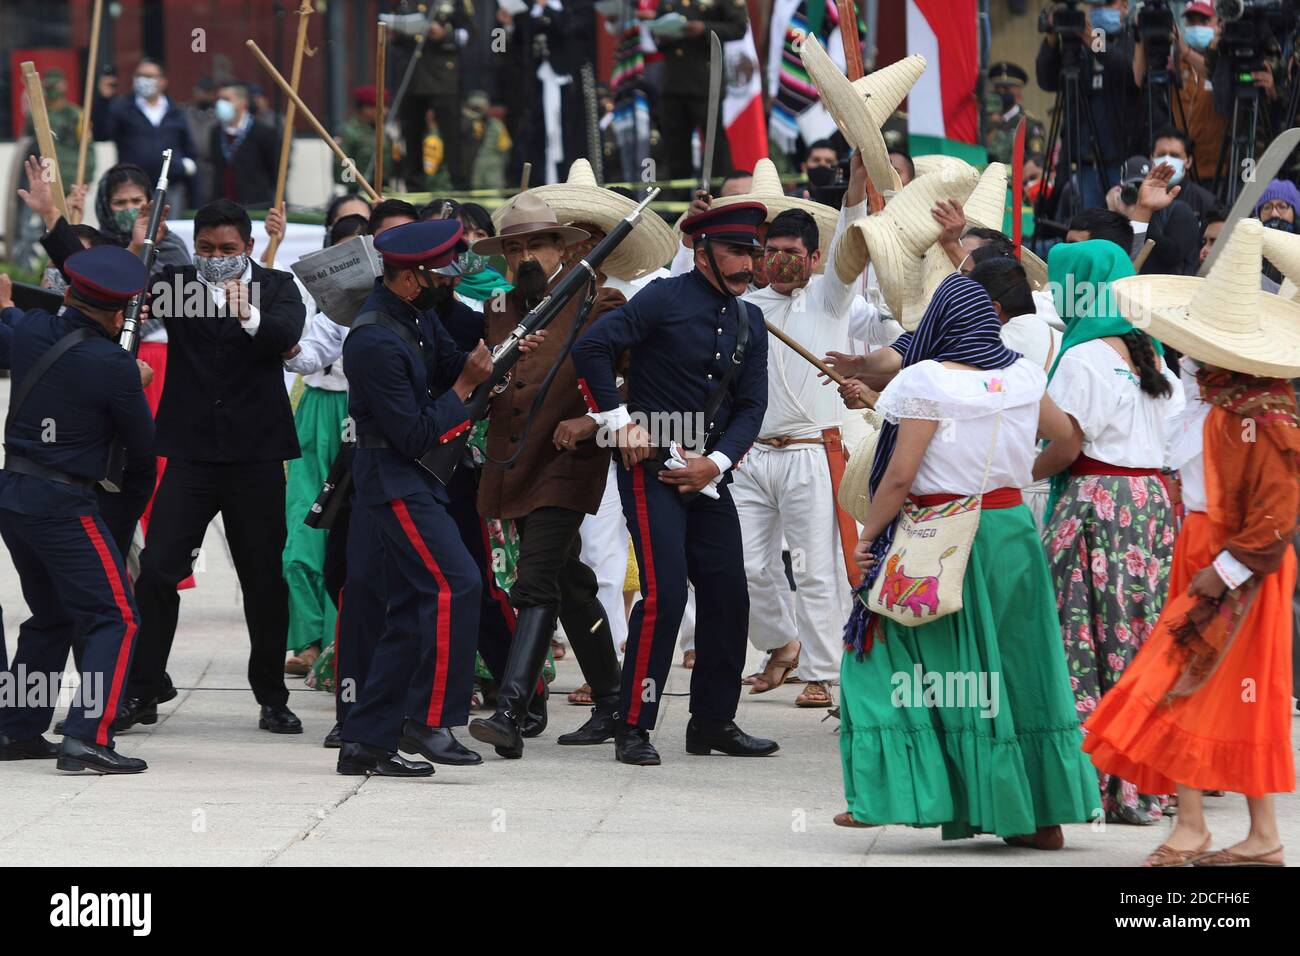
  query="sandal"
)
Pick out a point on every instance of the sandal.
point(688, 660)
point(300, 664)
point(1232, 858)
point(582, 696)
point(1165, 855)
point(845, 819)
point(774, 674)
point(814, 694)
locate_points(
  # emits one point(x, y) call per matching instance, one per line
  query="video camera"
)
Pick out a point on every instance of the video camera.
point(1249, 26)
point(1154, 28)
point(1066, 18)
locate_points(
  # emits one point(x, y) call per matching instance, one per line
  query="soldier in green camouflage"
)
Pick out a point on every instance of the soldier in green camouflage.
point(1003, 109)
point(357, 140)
point(65, 123)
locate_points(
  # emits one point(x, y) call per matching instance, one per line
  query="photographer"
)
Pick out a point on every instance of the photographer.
point(1147, 197)
point(1195, 110)
point(1106, 83)
point(1227, 69)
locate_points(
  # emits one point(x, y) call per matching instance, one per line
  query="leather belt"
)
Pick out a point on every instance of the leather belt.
point(781, 441)
point(25, 466)
point(372, 441)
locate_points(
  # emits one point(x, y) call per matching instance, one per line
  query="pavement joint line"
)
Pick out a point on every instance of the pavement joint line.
point(319, 817)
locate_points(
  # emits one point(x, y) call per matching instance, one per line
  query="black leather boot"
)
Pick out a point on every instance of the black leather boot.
point(593, 646)
point(536, 719)
point(632, 745)
point(706, 736)
point(532, 638)
point(77, 755)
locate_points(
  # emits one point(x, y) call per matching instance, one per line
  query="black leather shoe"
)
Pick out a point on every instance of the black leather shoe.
point(358, 760)
point(437, 744)
point(32, 748)
point(279, 719)
point(58, 727)
point(706, 736)
point(535, 720)
point(598, 729)
point(134, 711)
point(77, 755)
point(332, 740)
point(632, 745)
point(501, 731)
point(169, 691)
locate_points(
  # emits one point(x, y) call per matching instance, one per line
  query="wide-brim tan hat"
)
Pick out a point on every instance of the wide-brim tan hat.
point(896, 240)
point(525, 215)
point(649, 246)
point(1283, 250)
point(854, 493)
point(861, 107)
point(1224, 319)
point(766, 188)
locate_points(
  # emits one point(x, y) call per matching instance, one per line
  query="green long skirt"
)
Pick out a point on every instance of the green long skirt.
point(968, 722)
point(319, 423)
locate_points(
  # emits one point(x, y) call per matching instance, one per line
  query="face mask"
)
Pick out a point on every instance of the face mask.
point(472, 263)
point(1180, 167)
point(226, 111)
point(218, 269)
point(1198, 38)
point(785, 267)
point(54, 281)
point(1008, 101)
point(1280, 224)
point(430, 297)
point(1107, 19)
point(124, 219)
point(146, 86)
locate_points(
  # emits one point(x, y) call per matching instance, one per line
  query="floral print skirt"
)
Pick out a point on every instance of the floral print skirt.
point(1110, 541)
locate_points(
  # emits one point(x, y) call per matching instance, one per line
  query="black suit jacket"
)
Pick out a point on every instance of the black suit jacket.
point(224, 398)
point(256, 163)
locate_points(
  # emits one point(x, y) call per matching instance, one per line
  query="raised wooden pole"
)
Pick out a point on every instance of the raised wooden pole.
point(44, 138)
point(381, 63)
point(315, 124)
point(88, 101)
point(286, 141)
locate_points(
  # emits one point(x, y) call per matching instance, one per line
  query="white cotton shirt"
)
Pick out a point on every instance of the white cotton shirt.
point(1122, 425)
point(1185, 440)
point(966, 404)
point(1033, 338)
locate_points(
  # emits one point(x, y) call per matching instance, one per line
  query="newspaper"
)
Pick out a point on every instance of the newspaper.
point(339, 278)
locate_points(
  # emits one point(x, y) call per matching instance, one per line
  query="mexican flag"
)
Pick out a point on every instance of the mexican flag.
point(742, 103)
point(942, 115)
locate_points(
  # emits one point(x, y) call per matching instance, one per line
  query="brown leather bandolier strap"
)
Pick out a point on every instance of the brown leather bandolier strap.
point(781, 441)
point(848, 527)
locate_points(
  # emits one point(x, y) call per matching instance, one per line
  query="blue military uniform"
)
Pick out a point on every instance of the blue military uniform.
point(56, 448)
point(422, 666)
point(680, 335)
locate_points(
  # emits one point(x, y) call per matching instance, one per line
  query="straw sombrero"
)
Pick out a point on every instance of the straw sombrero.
point(525, 215)
point(854, 493)
point(766, 188)
point(1225, 319)
point(862, 106)
point(1283, 250)
point(895, 241)
point(648, 247)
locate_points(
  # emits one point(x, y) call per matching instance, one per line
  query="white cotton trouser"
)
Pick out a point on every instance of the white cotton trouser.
point(604, 549)
point(787, 491)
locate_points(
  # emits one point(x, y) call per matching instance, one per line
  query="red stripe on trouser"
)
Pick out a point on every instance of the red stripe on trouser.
point(507, 611)
point(649, 599)
point(128, 623)
point(442, 640)
point(338, 629)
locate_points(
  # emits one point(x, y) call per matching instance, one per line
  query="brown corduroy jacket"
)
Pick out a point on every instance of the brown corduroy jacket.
point(541, 476)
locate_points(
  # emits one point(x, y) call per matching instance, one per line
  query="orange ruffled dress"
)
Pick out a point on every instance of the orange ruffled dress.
point(1234, 731)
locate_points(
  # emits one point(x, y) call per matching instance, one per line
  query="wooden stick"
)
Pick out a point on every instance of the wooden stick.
point(290, 92)
point(381, 62)
point(286, 141)
point(523, 177)
point(44, 138)
point(822, 367)
point(1140, 259)
point(852, 43)
point(88, 101)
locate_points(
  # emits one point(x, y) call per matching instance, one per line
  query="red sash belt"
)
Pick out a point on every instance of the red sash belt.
point(1083, 465)
point(996, 498)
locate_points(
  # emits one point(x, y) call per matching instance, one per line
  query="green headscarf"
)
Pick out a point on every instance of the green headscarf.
point(1079, 275)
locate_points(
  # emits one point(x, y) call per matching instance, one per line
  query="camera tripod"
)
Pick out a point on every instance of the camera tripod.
point(1070, 114)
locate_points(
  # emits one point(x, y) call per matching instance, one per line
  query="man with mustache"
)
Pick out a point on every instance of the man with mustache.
point(697, 362)
point(544, 473)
